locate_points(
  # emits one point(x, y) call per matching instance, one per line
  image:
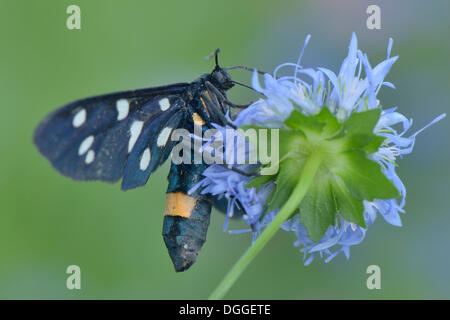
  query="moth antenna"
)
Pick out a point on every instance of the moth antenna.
point(244, 85)
point(214, 54)
point(246, 68)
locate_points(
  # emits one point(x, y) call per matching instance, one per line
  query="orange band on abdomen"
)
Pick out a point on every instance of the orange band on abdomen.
point(179, 204)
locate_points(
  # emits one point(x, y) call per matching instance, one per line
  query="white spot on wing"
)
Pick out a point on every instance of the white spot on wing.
point(85, 145)
point(123, 107)
point(79, 118)
point(145, 160)
point(163, 136)
point(164, 104)
point(90, 156)
point(135, 131)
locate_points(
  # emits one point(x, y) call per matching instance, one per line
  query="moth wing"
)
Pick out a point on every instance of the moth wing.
point(95, 138)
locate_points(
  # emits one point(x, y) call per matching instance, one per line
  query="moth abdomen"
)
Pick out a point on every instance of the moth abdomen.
point(184, 234)
point(186, 217)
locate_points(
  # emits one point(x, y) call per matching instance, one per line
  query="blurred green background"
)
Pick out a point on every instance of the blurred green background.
point(48, 222)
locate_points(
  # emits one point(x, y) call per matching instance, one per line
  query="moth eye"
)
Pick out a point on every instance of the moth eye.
point(219, 77)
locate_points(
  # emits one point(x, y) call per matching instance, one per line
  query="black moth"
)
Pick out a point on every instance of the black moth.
point(127, 135)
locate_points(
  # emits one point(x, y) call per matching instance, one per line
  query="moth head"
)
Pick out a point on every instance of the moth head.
point(221, 79)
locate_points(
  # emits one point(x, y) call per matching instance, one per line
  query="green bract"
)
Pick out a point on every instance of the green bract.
point(345, 177)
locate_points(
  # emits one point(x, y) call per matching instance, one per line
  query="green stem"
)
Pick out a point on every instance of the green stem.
point(306, 179)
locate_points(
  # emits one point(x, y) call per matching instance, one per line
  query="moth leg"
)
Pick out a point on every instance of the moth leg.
point(238, 106)
point(223, 98)
point(215, 93)
point(212, 88)
point(247, 174)
point(215, 109)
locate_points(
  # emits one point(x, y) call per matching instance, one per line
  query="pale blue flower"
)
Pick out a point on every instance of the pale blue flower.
point(343, 93)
